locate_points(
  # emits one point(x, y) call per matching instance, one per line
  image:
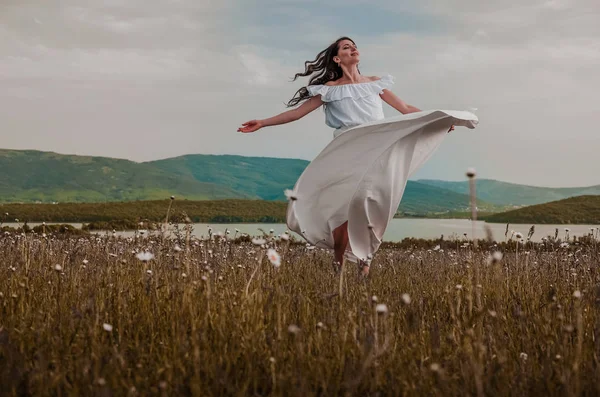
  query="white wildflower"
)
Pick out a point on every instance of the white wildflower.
point(405, 299)
point(381, 308)
point(107, 327)
point(495, 257)
point(145, 256)
point(523, 356)
point(290, 195)
point(274, 257)
point(258, 241)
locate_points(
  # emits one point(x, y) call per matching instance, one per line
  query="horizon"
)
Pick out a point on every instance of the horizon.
point(291, 158)
point(143, 81)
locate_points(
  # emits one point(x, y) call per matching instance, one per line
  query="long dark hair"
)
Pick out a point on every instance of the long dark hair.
point(324, 69)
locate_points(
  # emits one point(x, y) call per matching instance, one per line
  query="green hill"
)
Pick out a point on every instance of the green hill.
point(574, 210)
point(506, 194)
point(267, 178)
point(260, 177)
point(424, 199)
point(33, 176)
point(30, 176)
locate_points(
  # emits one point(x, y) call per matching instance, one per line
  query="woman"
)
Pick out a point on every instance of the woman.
point(346, 197)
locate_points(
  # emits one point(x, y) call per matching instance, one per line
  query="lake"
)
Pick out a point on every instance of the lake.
point(398, 229)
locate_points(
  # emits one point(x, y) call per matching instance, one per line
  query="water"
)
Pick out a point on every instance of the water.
point(398, 229)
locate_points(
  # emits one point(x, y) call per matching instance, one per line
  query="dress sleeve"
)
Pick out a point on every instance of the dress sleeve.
point(384, 82)
point(319, 89)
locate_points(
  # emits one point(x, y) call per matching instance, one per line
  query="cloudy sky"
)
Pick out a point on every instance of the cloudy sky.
point(145, 80)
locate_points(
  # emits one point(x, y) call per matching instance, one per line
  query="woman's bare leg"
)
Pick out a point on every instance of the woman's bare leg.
point(340, 242)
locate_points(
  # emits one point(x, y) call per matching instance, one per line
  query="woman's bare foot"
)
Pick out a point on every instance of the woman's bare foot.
point(363, 268)
point(337, 267)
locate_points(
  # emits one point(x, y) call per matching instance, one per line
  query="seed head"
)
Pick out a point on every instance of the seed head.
point(290, 195)
point(145, 256)
point(381, 308)
point(523, 356)
point(405, 299)
point(274, 257)
point(471, 172)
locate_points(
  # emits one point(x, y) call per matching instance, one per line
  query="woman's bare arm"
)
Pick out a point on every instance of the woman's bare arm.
point(391, 99)
point(285, 117)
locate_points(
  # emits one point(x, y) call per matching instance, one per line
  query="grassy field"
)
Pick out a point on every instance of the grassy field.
point(86, 316)
point(127, 215)
point(213, 211)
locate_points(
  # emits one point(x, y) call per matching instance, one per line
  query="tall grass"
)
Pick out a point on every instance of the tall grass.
point(84, 316)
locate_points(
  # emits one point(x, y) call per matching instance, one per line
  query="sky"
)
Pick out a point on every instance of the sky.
point(149, 80)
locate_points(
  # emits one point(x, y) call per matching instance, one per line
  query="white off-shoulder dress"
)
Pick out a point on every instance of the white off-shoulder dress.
point(360, 176)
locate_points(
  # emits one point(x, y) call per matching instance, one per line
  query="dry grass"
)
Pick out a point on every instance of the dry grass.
point(216, 318)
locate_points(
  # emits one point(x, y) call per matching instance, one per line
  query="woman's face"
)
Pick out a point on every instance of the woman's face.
point(347, 53)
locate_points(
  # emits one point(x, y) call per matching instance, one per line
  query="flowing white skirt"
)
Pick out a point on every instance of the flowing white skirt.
point(360, 178)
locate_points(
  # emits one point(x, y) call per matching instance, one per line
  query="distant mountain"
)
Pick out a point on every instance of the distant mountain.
point(260, 177)
point(267, 178)
point(574, 210)
point(34, 176)
point(31, 176)
point(422, 199)
point(504, 193)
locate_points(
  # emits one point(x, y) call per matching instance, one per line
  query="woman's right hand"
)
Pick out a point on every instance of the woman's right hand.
point(251, 126)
